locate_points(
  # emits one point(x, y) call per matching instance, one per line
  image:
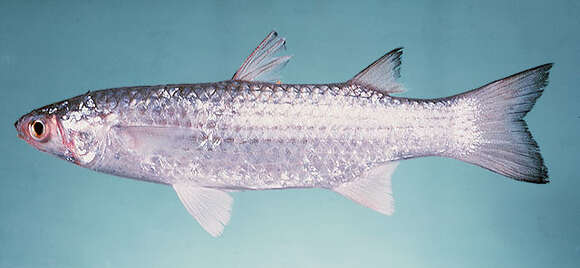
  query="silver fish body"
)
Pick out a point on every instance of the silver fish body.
point(208, 139)
point(247, 135)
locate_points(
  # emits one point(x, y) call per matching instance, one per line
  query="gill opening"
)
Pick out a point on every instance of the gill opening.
point(68, 143)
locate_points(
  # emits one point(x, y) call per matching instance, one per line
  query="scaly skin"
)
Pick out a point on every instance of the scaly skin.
point(254, 135)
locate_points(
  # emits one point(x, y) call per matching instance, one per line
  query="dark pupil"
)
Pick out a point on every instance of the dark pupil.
point(38, 128)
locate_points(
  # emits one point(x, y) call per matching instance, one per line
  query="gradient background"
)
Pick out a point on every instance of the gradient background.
point(449, 214)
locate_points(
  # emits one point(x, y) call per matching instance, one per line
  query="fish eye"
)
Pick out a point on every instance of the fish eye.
point(37, 130)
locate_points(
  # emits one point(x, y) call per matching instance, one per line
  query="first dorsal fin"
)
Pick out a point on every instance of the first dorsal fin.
point(382, 74)
point(262, 65)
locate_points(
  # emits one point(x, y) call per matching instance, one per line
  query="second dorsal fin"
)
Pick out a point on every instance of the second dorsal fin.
point(382, 74)
point(262, 64)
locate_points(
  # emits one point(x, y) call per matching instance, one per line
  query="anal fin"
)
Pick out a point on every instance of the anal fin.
point(210, 207)
point(373, 189)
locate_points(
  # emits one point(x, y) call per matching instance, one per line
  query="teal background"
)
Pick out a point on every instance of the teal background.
point(448, 213)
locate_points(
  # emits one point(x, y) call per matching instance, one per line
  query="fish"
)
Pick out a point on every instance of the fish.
point(252, 132)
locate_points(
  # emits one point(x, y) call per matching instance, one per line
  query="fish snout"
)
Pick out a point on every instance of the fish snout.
point(18, 128)
point(21, 126)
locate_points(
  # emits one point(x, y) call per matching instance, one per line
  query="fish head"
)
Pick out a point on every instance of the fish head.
point(44, 131)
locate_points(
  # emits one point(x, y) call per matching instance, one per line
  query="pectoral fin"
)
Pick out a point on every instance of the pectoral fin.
point(210, 207)
point(373, 189)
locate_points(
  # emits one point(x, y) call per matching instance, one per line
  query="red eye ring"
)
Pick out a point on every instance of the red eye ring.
point(38, 130)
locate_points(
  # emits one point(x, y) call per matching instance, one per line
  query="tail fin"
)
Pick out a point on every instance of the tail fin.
point(506, 146)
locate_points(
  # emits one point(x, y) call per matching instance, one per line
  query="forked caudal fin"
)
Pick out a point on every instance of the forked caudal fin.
point(505, 145)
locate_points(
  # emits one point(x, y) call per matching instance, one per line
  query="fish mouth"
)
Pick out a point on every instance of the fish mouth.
point(19, 129)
